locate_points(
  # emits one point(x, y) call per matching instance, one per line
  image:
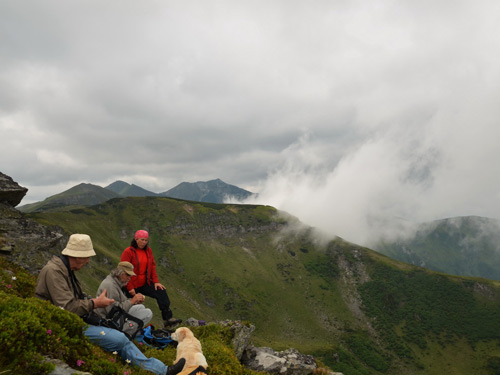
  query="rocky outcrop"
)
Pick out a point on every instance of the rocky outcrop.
point(22, 240)
point(288, 362)
point(10, 192)
point(241, 336)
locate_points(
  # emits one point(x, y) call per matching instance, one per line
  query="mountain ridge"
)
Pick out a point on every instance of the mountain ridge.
point(464, 246)
point(85, 194)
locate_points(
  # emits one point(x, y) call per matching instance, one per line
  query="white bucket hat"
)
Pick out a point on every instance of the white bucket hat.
point(79, 246)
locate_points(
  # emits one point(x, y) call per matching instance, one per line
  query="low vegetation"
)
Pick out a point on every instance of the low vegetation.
point(33, 331)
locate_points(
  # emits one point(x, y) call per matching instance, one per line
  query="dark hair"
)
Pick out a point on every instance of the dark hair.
point(133, 243)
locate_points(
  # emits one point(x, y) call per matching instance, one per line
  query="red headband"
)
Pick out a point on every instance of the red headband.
point(141, 234)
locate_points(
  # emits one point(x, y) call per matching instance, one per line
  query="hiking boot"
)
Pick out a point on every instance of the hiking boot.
point(172, 322)
point(175, 369)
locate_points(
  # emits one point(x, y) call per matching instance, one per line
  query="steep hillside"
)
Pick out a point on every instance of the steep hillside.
point(466, 246)
point(357, 310)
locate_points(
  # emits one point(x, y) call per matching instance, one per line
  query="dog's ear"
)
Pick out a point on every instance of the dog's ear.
point(181, 334)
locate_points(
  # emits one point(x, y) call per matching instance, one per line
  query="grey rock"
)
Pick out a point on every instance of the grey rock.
point(192, 322)
point(241, 336)
point(63, 369)
point(288, 362)
point(11, 192)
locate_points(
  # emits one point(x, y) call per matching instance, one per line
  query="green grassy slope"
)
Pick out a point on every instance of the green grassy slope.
point(466, 246)
point(357, 310)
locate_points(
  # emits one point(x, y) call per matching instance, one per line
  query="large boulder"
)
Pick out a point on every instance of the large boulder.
point(11, 192)
point(288, 362)
point(241, 335)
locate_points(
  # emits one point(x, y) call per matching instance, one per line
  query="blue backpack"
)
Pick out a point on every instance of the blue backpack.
point(158, 338)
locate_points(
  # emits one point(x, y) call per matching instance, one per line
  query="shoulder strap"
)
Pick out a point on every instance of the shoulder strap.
point(77, 289)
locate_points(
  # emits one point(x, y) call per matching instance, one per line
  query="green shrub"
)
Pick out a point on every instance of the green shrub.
point(31, 329)
point(15, 280)
point(367, 351)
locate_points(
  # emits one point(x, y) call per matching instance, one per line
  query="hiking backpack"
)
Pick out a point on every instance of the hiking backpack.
point(157, 338)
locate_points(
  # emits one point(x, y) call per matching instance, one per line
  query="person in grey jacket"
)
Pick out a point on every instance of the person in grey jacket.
point(57, 283)
point(113, 283)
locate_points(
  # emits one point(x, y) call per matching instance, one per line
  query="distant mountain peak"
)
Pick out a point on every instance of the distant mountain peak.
point(213, 191)
point(127, 190)
point(118, 184)
point(83, 194)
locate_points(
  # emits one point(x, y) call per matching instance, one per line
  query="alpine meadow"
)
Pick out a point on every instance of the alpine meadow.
point(355, 310)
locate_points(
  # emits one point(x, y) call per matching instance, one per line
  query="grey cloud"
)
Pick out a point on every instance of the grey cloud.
point(344, 114)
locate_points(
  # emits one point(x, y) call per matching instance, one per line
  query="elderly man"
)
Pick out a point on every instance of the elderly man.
point(58, 284)
point(113, 283)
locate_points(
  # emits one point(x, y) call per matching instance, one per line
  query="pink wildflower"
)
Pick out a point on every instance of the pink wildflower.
point(9, 286)
point(79, 362)
point(49, 332)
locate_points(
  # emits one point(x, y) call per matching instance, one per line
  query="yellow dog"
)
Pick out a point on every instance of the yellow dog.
point(189, 348)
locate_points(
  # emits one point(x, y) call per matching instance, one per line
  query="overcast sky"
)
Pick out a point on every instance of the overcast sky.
point(343, 113)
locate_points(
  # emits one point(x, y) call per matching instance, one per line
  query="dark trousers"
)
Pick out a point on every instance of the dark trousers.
point(161, 297)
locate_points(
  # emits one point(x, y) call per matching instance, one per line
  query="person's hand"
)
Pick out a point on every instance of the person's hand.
point(132, 292)
point(159, 286)
point(102, 300)
point(138, 298)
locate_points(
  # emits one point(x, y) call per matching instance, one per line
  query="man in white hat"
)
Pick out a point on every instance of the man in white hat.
point(113, 283)
point(58, 284)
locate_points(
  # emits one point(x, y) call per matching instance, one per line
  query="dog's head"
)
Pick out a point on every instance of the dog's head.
point(181, 333)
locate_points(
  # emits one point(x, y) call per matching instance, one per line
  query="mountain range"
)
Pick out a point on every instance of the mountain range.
point(354, 309)
point(85, 194)
point(465, 246)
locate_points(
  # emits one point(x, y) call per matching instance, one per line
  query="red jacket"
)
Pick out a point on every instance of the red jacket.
point(130, 255)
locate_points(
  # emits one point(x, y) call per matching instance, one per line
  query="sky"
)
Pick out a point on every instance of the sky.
point(352, 116)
